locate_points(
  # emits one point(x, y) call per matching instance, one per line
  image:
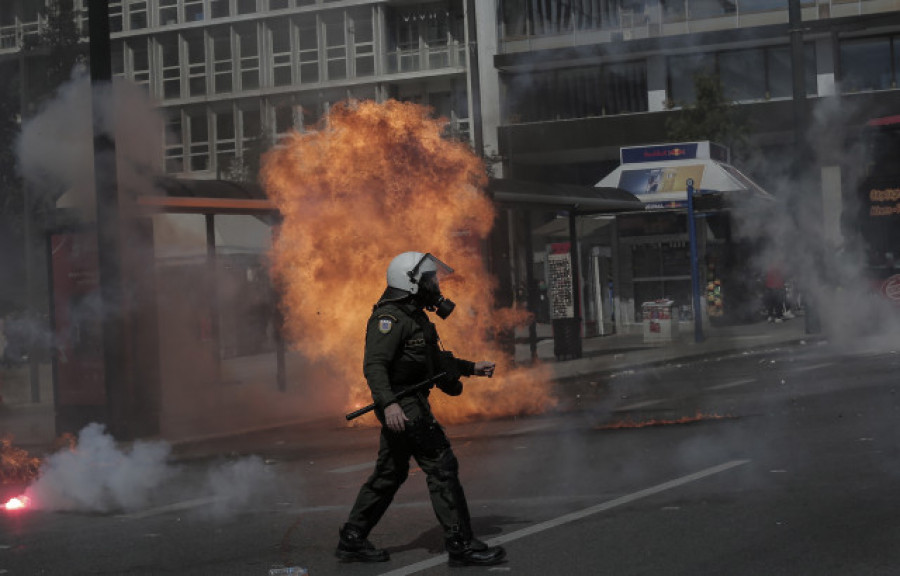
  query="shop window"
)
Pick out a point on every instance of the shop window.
point(284, 119)
point(683, 70)
point(866, 64)
point(251, 128)
point(117, 58)
point(308, 46)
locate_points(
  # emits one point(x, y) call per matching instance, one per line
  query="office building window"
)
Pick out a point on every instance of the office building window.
point(193, 10)
point(251, 129)
point(174, 148)
point(199, 135)
point(226, 143)
point(246, 6)
point(279, 4)
point(363, 40)
point(168, 12)
point(335, 45)
point(115, 16)
point(743, 74)
point(866, 64)
point(140, 61)
point(220, 8)
point(280, 35)
point(528, 18)
point(248, 45)
point(578, 92)
point(171, 68)
point(137, 14)
point(196, 71)
point(753, 74)
point(284, 119)
point(308, 47)
point(223, 69)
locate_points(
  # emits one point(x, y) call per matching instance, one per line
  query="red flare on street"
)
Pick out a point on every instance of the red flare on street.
point(18, 503)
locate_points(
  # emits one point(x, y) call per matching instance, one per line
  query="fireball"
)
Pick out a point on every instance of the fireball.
point(373, 181)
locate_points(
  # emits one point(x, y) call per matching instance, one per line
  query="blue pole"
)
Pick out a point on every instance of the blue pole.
point(695, 273)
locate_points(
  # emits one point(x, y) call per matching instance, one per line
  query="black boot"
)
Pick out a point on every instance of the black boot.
point(473, 552)
point(353, 547)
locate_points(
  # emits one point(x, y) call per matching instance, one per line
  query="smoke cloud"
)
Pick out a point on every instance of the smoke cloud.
point(100, 476)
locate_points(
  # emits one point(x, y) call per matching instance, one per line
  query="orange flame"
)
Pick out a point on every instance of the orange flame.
point(16, 465)
point(376, 180)
point(628, 423)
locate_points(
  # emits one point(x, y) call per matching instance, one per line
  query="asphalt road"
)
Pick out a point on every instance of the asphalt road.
point(787, 463)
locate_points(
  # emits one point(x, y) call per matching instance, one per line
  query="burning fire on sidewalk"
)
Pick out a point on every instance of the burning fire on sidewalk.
point(17, 466)
point(373, 181)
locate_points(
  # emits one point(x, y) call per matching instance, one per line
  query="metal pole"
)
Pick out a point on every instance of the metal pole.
point(695, 273)
point(109, 229)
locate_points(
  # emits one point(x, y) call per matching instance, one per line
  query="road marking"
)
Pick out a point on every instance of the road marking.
point(734, 384)
point(813, 367)
point(637, 405)
point(353, 468)
point(579, 515)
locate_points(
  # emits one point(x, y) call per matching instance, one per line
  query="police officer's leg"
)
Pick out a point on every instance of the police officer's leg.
point(391, 470)
point(435, 456)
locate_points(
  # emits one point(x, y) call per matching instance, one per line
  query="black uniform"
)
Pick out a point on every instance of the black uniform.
point(402, 350)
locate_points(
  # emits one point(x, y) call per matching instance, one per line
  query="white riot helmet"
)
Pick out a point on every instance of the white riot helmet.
point(418, 274)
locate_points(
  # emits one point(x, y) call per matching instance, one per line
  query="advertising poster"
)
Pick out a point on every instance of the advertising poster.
point(559, 284)
point(662, 180)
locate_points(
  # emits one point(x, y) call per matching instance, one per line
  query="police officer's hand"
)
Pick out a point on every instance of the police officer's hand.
point(484, 368)
point(395, 418)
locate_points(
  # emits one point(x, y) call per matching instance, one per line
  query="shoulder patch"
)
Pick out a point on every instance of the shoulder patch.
point(385, 323)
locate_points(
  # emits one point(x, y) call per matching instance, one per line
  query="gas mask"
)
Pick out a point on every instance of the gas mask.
point(430, 295)
point(424, 277)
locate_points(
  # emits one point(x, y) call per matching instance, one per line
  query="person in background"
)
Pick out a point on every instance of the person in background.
point(774, 294)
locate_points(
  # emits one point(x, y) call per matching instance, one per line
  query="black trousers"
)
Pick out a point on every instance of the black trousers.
point(424, 439)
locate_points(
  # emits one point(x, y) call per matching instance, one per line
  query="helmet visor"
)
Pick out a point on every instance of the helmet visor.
point(430, 266)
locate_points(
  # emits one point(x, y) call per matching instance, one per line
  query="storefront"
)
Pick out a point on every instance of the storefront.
point(651, 249)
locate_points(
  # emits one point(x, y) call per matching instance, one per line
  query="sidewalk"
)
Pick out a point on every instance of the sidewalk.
point(32, 425)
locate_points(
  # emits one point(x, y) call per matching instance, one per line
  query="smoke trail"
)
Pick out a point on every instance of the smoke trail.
point(99, 476)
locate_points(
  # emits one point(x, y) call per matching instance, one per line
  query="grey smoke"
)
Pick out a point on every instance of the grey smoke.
point(101, 476)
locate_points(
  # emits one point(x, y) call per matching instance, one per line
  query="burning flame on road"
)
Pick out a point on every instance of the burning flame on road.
point(376, 180)
point(628, 423)
point(17, 467)
point(18, 503)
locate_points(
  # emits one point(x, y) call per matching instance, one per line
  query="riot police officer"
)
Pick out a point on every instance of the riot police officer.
point(402, 349)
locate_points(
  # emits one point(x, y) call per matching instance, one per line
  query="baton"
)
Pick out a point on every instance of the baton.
point(424, 385)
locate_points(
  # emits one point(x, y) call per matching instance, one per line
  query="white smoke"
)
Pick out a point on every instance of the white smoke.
point(100, 476)
point(55, 152)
